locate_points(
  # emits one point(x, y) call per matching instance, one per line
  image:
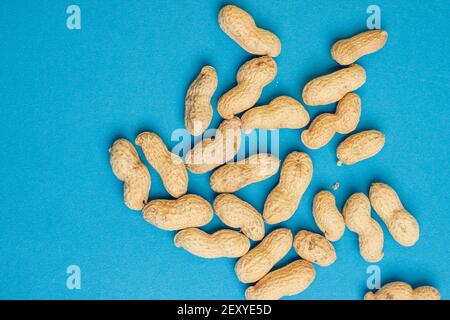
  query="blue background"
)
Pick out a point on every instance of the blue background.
point(66, 95)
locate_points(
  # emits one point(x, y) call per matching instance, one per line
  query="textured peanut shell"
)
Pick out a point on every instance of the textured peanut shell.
point(400, 223)
point(286, 281)
point(324, 126)
point(256, 263)
point(334, 86)
point(188, 211)
point(215, 151)
point(251, 78)
point(402, 291)
point(347, 51)
point(284, 199)
point(220, 244)
point(327, 216)
point(314, 248)
point(370, 235)
point(128, 168)
point(237, 213)
point(359, 146)
point(168, 165)
point(282, 112)
point(234, 176)
point(198, 108)
point(240, 26)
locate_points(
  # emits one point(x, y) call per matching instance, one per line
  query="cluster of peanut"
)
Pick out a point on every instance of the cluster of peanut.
point(187, 212)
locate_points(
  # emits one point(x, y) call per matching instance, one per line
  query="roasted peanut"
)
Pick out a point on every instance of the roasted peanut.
point(357, 217)
point(345, 120)
point(237, 213)
point(256, 263)
point(359, 146)
point(213, 152)
point(282, 112)
point(251, 78)
point(327, 216)
point(234, 176)
point(198, 108)
point(400, 223)
point(286, 281)
point(334, 86)
point(128, 168)
point(283, 200)
point(220, 244)
point(169, 166)
point(314, 248)
point(349, 50)
point(188, 211)
point(240, 26)
point(402, 291)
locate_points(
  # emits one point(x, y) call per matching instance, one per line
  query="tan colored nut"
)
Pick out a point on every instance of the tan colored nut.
point(168, 165)
point(251, 78)
point(128, 168)
point(357, 217)
point(234, 176)
point(327, 216)
point(188, 211)
point(282, 112)
point(314, 248)
point(240, 26)
point(349, 50)
point(334, 86)
point(286, 281)
point(198, 111)
point(256, 263)
point(324, 127)
point(220, 244)
point(402, 291)
point(359, 146)
point(213, 152)
point(237, 213)
point(400, 223)
point(283, 200)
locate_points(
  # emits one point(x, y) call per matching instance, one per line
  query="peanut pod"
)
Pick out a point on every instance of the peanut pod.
point(215, 151)
point(256, 263)
point(283, 200)
point(286, 281)
point(334, 86)
point(188, 211)
point(251, 78)
point(314, 248)
point(128, 168)
point(168, 165)
point(198, 108)
point(220, 244)
point(370, 235)
point(234, 176)
point(347, 51)
point(237, 213)
point(327, 216)
point(282, 112)
point(324, 127)
point(240, 26)
point(359, 146)
point(400, 223)
point(402, 291)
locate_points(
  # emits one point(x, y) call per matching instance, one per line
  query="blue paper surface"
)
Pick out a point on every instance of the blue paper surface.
point(66, 95)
